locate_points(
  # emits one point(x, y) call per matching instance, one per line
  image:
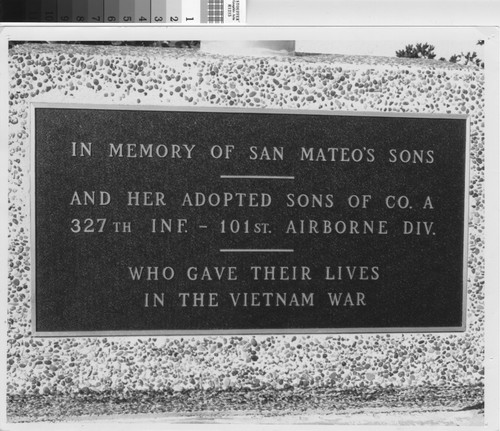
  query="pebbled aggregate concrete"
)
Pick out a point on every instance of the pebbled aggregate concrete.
point(118, 366)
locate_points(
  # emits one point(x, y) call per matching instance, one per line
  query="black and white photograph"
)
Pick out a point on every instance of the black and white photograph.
point(250, 228)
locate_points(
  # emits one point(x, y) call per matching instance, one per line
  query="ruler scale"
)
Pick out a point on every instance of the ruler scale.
point(215, 11)
point(80, 11)
point(142, 11)
point(33, 10)
point(64, 11)
point(96, 11)
point(191, 12)
point(166, 12)
point(204, 11)
point(127, 11)
point(158, 11)
point(111, 11)
point(174, 11)
point(49, 10)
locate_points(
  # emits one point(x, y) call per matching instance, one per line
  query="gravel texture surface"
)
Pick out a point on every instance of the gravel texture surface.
point(218, 372)
point(259, 402)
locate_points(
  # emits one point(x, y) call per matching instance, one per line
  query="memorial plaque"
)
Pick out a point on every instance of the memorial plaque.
point(187, 221)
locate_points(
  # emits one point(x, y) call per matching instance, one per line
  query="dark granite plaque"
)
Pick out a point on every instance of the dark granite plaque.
point(247, 221)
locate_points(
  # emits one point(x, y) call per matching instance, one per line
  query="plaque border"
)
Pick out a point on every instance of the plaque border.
point(33, 105)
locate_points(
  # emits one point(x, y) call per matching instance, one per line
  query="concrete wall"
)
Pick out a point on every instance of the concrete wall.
point(133, 76)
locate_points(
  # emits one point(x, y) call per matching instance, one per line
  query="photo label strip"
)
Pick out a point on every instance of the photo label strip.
point(166, 12)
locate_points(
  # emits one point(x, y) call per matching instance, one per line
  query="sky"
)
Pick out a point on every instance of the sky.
point(388, 48)
point(385, 41)
point(377, 41)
